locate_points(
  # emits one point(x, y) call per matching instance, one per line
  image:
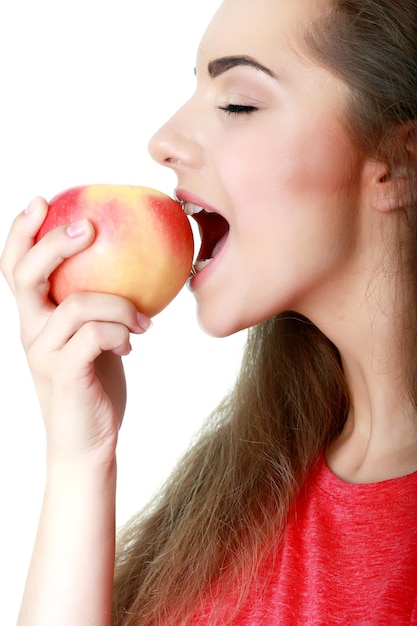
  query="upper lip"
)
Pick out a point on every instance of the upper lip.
point(184, 196)
point(212, 225)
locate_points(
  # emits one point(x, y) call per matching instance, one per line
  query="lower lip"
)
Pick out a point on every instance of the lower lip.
point(196, 281)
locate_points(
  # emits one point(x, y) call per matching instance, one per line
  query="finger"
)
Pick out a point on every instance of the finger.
point(80, 308)
point(95, 338)
point(75, 360)
point(22, 236)
point(32, 271)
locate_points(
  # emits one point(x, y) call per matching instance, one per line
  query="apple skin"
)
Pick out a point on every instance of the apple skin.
point(143, 247)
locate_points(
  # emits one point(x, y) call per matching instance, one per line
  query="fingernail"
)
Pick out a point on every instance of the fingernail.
point(77, 229)
point(31, 206)
point(144, 323)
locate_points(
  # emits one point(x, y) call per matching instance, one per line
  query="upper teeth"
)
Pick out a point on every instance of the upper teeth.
point(190, 208)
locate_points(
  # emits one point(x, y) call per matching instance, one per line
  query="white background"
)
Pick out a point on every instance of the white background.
point(84, 84)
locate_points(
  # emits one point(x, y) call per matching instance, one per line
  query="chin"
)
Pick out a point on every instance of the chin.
point(219, 322)
point(217, 325)
point(219, 331)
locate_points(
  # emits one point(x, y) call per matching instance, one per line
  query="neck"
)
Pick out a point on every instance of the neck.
point(379, 440)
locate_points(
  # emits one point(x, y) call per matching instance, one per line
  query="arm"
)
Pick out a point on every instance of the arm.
point(74, 352)
point(71, 572)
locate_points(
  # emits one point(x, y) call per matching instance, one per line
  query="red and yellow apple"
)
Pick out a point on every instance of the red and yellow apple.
point(143, 247)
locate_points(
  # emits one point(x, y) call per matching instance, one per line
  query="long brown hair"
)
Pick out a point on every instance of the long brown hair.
point(230, 496)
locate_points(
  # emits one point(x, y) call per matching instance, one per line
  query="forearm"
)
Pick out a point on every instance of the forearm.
point(74, 353)
point(70, 577)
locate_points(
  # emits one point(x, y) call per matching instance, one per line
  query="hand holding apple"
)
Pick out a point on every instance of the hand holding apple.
point(143, 249)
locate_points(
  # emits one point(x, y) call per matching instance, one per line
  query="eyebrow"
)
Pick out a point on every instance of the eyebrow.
point(223, 64)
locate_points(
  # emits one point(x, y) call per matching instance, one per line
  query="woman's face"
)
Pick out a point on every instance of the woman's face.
point(262, 144)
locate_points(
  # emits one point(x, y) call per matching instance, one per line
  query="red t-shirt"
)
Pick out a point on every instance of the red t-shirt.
point(349, 558)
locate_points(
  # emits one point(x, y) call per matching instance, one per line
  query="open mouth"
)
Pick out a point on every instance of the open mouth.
point(214, 230)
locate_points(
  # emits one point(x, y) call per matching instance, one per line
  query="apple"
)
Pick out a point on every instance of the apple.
point(143, 247)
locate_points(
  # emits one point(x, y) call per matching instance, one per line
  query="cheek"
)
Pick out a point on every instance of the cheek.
point(294, 190)
point(246, 158)
point(318, 161)
point(336, 161)
point(301, 160)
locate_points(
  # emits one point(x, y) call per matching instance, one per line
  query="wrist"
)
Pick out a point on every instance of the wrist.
point(81, 474)
point(85, 463)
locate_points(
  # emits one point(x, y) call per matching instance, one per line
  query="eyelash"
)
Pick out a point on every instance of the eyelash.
point(238, 109)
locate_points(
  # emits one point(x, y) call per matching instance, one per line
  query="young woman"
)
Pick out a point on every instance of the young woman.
point(297, 155)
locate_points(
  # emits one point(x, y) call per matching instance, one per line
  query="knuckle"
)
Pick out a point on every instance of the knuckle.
point(16, 225)
point(6, 263)
point(124, 311)
point(74, 306)
point(37, 360)
point(3, 266)
point(91, 332)
point(21, 279)
point(25, 338)
point(105, 335)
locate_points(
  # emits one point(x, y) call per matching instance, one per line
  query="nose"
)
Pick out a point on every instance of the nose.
point(176, 144)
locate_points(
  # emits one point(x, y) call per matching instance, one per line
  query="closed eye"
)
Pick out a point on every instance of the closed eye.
point(238, 109)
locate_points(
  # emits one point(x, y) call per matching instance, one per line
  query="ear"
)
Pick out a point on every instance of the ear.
point(391, 189)
point(390, 186)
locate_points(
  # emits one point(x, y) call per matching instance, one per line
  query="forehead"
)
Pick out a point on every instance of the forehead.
point(260, 28)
